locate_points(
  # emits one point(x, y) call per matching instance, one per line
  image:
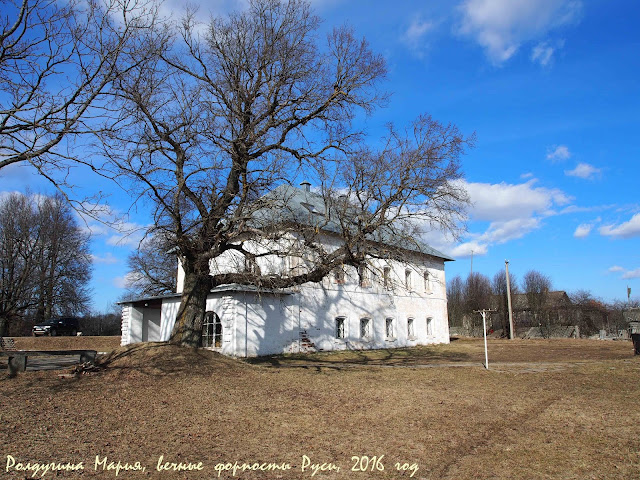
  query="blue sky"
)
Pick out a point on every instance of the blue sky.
point(552, 90)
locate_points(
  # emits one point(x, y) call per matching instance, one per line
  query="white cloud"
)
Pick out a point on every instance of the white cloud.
point(624, 230)
point(414, 35)
point(558, 153)
point(126, 281)
point(632, 273)
point(501, 26)
point(501, 202)
point(466, 249)
point(542, 54)
point(502, 232)
point(583, 230)
point(107, 259)
point(626, 274)
point(583, 170)
point(527, 175)
point(512, 210)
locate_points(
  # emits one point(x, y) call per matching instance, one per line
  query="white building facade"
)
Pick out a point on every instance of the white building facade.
point(387, 304)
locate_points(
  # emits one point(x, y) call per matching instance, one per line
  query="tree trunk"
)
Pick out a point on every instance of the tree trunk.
point(187, 331)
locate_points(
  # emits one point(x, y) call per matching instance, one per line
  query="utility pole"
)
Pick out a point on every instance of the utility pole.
point(471, 262)
point(506, 267)
point(484, 330)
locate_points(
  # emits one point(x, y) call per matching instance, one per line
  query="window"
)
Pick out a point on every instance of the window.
point(295, 264)
point(386, 277)
point(365, 328)
point(407, 279)
point(211, 331)
point(340, 327)
point(363, 276)
point(251, 266)
point(338, 276)
point(410, 330)
point(389, 328)
point(427, 282)
point(429, 327)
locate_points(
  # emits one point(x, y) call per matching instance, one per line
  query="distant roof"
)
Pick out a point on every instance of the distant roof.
point(555, 299)
point(308, 208)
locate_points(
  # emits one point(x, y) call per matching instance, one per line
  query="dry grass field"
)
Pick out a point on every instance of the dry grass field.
point(101, 344)
point(557, 409)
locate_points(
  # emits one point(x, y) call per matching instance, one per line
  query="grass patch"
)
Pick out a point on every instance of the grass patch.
point(100, 344)
point(462, 350)
point(576, 420)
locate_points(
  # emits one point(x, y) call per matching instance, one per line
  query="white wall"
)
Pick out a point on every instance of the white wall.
point(151, 325)
point(267, 323)
point(168, 317)
point(135, 325)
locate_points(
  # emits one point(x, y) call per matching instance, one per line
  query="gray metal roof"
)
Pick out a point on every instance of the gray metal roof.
point(290, 204)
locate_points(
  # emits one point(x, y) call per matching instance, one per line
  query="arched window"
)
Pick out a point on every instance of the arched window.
point(211, 330)
point(429, 326)
point(427, 282)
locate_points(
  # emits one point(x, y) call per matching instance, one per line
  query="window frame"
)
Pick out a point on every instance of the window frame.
point(411, 328)
point(366, 330)
point(429, 327)
point(389, 329)
point(340, 322)
point(386, 277)
point(407, 280)
point(363, 276)
point(427, 282)
point(212, 330)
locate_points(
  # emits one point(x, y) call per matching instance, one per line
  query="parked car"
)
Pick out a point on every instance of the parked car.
point(58, 326)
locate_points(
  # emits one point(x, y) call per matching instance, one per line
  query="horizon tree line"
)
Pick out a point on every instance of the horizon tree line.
point(534, 303)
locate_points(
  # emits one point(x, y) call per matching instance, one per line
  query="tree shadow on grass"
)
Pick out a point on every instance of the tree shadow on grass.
point(379, 357)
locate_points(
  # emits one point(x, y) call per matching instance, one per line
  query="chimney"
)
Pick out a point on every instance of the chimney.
point(306, 186)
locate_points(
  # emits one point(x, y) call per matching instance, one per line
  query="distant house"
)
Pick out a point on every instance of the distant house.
point(535, 315)
point(386, 304)
point(530, 310)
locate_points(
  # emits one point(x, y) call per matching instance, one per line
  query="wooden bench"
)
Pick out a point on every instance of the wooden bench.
point(17, 361)
point(7, 344)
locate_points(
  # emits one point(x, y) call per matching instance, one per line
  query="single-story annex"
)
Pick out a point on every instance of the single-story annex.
point(391, 304)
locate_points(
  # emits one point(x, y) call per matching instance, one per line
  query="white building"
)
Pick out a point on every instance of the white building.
point(389, 304)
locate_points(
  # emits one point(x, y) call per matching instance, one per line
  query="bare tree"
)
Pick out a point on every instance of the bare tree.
point(56, 60)
point(477, 295)
point(45, 264)
point(210, 125)
point(17, 261)
point(455, 301)
point(499, 289)
point(152, 268)
point(63, 261)
point(591, 314)
point(537, 287)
